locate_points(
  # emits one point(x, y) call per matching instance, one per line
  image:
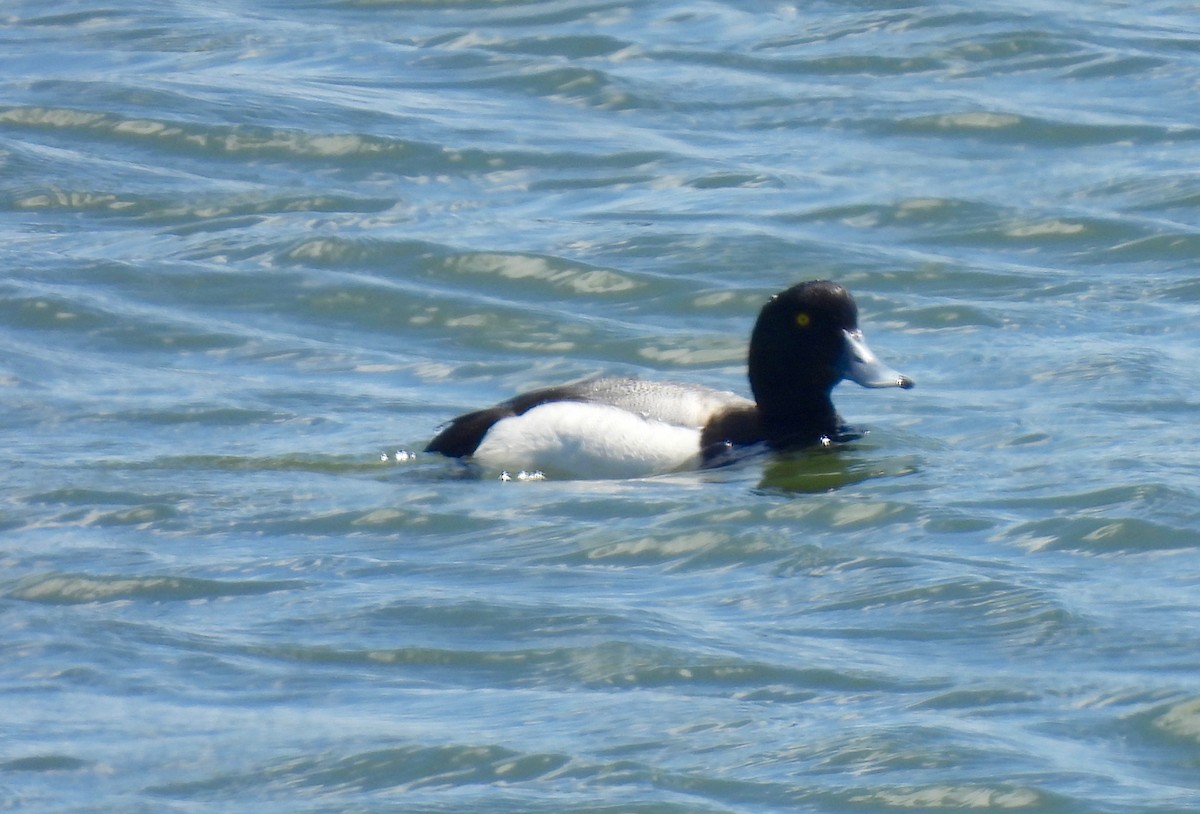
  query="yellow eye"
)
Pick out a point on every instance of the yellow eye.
point(802, 319)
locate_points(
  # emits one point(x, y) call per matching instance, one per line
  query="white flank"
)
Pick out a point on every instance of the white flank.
point(581, 440)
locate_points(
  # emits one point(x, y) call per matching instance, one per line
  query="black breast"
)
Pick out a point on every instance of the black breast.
point(732, 427)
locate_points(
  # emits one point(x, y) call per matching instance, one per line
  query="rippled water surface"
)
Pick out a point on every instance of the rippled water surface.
point(251, 251)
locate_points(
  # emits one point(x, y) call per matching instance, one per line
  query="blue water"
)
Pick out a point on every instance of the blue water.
point(251, 251)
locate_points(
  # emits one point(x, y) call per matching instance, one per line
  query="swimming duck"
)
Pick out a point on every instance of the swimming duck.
point(805, 341)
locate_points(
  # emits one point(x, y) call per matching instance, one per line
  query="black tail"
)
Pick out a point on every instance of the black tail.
point(462, 436)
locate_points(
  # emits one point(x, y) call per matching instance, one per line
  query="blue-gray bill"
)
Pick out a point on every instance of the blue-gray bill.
point(859, 364)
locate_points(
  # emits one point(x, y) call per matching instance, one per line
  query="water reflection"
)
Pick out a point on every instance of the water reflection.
point(811, 471)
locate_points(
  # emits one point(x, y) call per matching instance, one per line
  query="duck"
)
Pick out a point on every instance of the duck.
point(805, 340)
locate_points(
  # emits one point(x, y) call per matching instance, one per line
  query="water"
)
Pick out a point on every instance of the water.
point(250, 249)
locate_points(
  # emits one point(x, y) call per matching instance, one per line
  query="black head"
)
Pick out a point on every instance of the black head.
point(798, 342)
point(805, 341)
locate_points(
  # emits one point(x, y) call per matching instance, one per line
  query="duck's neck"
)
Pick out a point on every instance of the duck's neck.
point(799, 420)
